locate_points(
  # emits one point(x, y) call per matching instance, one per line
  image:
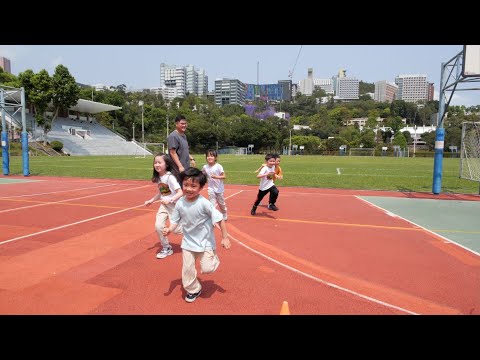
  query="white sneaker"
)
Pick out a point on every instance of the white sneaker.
point(166, 251)
point(225, 217)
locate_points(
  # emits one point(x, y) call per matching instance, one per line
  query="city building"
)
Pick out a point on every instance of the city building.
point(178, 81)
point(305, 86)
point(385, 91)
point(412, 88)
point(5, 65)
point(229, 91)
point(269, 92)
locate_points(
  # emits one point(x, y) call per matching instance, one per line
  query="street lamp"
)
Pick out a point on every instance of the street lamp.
point(290, 143)
point(140, 103)
point(168, 107)
point(414, 139)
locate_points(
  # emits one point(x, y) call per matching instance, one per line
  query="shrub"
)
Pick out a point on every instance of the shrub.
point(56, 145)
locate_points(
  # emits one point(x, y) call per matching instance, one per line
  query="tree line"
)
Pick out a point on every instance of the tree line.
point(211, 126)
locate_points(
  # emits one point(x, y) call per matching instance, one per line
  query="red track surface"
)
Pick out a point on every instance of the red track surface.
point(325, 252)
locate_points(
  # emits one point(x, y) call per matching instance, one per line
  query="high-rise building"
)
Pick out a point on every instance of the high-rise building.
point(229, 91)
point(385, 91)
point(177, 81)
point(5, 65)
point(412, 88)
point(346, 88)
point(430, 92)
point(305, 86)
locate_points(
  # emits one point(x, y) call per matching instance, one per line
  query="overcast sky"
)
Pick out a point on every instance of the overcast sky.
point(138, 66)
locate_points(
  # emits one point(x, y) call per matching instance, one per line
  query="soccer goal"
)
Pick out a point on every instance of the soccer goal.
point(470, 152)
point(149, 150)
point(155, 148)
point(362, 152)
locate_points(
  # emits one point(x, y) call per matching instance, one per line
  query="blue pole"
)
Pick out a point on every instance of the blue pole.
point(439, 138)
point(438, 161)
point(4, 138)
point(25, 158)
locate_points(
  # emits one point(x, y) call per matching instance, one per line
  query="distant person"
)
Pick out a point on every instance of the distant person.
point(267, 176)
point(215, 176)
point(178, 145)
point(167, 177)
point(198, 217)
point(278, 169)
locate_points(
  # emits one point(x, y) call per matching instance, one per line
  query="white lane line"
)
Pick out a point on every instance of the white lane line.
point(338, 171)
point(228, 197)
point(323, 281)
point(67, 225)
point(72, 199)
point(56, 192)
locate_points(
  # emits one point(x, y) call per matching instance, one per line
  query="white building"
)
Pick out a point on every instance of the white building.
point(412, 88)
point(324, 84)
point(346, 88)
point(180, 80)
point(305, 86)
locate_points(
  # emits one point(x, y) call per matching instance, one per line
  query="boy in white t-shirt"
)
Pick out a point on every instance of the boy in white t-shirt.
point(266, 176)
point(215, 177)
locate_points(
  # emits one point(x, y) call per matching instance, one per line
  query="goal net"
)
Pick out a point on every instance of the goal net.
point(155, 148)
point(470, 152)
point(362, 152)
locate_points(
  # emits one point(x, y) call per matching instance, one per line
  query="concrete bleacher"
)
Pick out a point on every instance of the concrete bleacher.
point(88, 137)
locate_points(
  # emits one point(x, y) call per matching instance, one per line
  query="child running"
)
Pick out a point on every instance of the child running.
point(198, 217)
point(215, 177)
point(266, 176)
point(278, 169)
point(166, 176)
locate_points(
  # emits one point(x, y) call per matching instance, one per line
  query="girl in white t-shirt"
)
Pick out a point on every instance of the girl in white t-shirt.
point(215, 177)
point(166, 176)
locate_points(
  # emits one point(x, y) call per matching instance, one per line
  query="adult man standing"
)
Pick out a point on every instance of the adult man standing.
point(178, 145)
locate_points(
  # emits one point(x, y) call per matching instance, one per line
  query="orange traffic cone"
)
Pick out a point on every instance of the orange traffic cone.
point(284, 310)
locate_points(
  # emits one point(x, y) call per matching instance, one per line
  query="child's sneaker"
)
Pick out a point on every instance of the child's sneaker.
point(272, 207)
point(166, 251)
point(254, 209)
point(192, 297)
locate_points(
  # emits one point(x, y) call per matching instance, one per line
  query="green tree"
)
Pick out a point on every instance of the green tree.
point(65, 91)
point(400, 140)
point(39, 91)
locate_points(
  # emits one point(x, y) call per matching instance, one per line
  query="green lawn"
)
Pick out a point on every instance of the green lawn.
point(379, 173)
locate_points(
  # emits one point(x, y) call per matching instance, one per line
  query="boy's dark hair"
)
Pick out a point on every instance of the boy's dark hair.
point(195, 174)
point(179, 117)
point(211, 151)
point(269, 156)
point(276, 156)
point(171, 166)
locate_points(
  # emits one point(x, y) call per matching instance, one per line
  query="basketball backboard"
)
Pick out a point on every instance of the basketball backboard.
point(471, 60)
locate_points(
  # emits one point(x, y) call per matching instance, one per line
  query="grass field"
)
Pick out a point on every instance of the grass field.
point(371, 173)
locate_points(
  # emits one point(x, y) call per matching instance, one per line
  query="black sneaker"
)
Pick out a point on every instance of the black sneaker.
point(272, 207)
point(254, 209)
point(192, 297)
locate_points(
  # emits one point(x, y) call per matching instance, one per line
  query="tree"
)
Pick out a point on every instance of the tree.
point(400, 140)
point(65, 91)
point(39, 91)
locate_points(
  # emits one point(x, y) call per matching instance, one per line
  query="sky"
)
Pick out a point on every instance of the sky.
point(138, 66)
